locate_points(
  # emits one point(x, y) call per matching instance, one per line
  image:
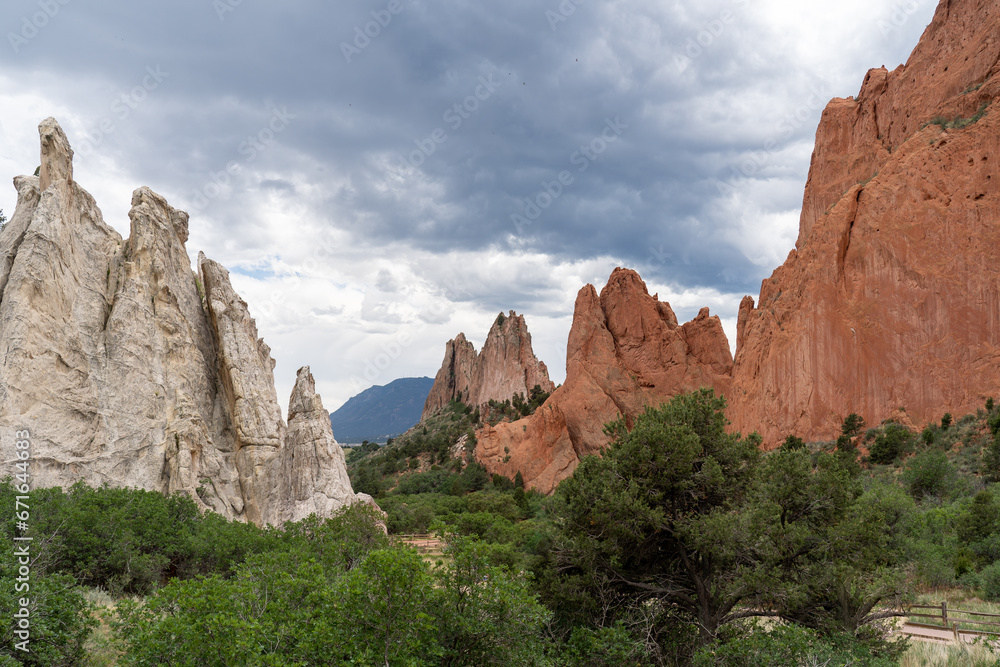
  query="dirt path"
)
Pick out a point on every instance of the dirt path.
point(938, 634)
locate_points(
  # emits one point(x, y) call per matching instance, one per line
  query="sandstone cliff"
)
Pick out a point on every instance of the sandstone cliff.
point(505, 366)
point(891, 298)
point(128, 369)
point(626, 351)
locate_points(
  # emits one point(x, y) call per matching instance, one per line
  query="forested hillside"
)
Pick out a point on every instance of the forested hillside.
point(683, 545)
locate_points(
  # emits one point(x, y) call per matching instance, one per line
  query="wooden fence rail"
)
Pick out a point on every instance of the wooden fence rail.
point(425, 544)
point(950, 624)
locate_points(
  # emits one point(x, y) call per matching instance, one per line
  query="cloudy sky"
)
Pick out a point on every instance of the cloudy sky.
point(379, 175)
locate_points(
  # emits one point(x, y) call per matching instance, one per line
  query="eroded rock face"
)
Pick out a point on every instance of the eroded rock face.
point(313, 472)
point(626, 351)
point(891, 298)
point(247, 378)
point(123, 374)
point(505, 366)
point(454, 377)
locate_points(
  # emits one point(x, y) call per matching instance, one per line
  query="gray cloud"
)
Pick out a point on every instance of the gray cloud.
point(448, 119)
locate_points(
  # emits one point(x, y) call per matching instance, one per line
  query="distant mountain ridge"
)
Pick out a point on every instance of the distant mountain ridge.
point(381, 412)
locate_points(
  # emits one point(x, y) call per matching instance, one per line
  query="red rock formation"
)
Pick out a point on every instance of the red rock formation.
point(891, 298)
point(506, 366)
point(453, 379)
point(625, 352)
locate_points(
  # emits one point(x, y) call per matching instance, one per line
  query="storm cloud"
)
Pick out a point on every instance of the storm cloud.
point(381, 175)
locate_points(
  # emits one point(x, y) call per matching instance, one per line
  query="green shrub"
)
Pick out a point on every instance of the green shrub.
point(989, 582)
point(485, 526)
point(792, 645)
point(993, 421)
point(987, 550)
point(890, 444)
point(391, 609)
point(991, 459)
point(980, 520)
point(60, 620)
point(486, 615)
point(502, 483)
point(930, 474)
point(475, 477)
point(599, 647)
point(367, 479)
point(958, 122)
point(845, 444)
point(852, 425)
point(432, 481)
point(964, 566)
point(793, 443)
point(124, 540)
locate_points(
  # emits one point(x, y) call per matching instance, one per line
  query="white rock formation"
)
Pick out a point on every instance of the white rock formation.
point(128, 369)
point(313, 473)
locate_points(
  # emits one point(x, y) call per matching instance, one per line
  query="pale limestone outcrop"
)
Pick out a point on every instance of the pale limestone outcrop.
point(120, 369)
point(247, 379)
point(313, 473)
point(245, 360)
point(57, 156)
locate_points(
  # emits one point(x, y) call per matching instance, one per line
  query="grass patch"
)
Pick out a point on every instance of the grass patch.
point(102, 648)
point(957, 123)
point(926, 654)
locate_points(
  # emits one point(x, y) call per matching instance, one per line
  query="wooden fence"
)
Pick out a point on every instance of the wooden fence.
point(946, 624)
point(424, 544)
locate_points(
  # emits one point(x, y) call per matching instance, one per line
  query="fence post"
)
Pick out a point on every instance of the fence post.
point(944, 612)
